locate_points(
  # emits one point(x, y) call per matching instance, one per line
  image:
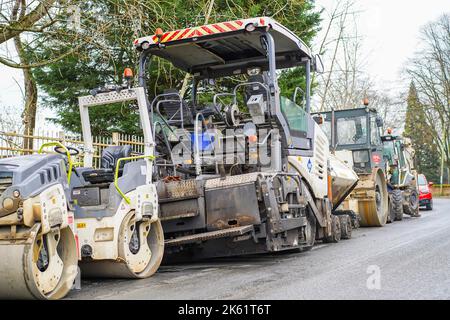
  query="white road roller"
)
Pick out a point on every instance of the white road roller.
point(55, 216)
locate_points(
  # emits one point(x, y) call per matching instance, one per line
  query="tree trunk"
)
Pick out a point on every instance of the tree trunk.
point(29, 112)
point(31, 95)
point(30, 88)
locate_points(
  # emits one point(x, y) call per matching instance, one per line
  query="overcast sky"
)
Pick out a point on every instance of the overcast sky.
point(390, 29)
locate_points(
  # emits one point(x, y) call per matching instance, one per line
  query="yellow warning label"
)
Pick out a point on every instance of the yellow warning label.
point(81, 225)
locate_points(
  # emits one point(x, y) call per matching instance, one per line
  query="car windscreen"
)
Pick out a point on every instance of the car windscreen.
point(422, 181)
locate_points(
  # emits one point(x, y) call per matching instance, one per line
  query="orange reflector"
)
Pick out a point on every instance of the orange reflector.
point(330, 190)
point(128, 73)
point(253, 155)
point(252, 138)
point(159, 32)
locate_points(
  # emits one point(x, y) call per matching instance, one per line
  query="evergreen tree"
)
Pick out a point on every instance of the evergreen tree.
point(105, 49)
point(416, 129)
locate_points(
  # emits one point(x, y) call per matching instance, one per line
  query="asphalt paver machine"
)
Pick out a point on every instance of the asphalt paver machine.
point(240, 167)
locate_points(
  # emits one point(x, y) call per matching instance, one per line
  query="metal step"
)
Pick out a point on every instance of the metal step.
point(231, 232)
point(179, 216)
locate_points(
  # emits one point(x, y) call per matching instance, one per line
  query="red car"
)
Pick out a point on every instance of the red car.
point(425, 196)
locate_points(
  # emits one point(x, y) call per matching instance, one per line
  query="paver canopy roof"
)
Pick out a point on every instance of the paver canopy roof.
point(225, 48)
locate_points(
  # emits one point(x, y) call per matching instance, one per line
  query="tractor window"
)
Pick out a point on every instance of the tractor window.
point(295, 116)
point(374, 132)
point(326, 128)
point(352, 130)
point(401, 156)
point(388, 151)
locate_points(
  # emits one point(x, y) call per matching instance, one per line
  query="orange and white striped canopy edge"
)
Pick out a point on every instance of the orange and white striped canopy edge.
point(200, 31)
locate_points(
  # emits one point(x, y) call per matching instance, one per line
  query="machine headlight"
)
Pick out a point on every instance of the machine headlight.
point(251, 27)
point(360, 156)
point(253, 71)
point(8, 204)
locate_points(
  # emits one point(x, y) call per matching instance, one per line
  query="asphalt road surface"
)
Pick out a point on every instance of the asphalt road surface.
point(409, 259)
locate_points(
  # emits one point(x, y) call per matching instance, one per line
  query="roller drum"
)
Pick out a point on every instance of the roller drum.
point(131, 263)
point(23, 278)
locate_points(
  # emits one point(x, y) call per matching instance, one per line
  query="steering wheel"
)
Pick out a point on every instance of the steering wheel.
point(72, 151)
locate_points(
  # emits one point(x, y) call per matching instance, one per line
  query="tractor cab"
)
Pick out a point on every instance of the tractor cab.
point(399, 157)
point(357, 130)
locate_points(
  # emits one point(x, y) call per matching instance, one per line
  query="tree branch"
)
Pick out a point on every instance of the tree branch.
point(27, 21)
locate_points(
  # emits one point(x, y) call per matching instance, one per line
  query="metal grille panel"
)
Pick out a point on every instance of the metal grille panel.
point(109, 97)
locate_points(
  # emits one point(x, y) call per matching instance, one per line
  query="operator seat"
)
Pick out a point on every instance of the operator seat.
point(172, 111)
point(108, 163)
point(110, 155)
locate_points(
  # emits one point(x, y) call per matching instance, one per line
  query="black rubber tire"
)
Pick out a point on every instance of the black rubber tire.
point(397, 204)
point(391, 215)
point(430, 205)
point(312, 233)
point(335, 230)
point(355, 221)
point(381, 198)
point(346, 226)
point(412, 205)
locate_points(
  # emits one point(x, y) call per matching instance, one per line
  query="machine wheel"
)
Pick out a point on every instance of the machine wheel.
point(42, 267)
point(346, 226)
point(355, 221)
point(397, 204)
point(309, 233)
point(391, 215)
point(141, 249)
point(380, 198)
point(374, 209)
point(411, 207)
point(430, 205)
point(335, 230)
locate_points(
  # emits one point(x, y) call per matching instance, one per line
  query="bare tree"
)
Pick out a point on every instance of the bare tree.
point(430, 71)
point(10, 119)
point(343, 84)
point(9, 122)
point(391, 109)
point(32, 19)
point(29, 24)
point(10, 28)
point(30, 88)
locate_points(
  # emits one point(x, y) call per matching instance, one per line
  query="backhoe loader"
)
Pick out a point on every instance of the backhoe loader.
point(387, 181)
